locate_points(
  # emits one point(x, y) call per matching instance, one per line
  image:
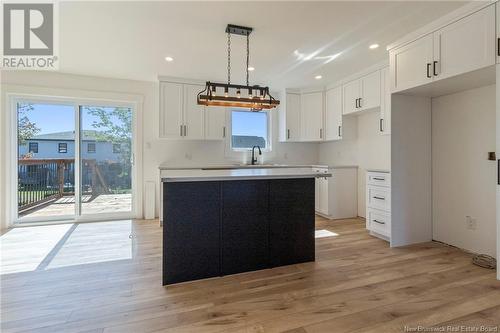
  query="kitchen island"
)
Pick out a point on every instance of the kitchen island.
point(227, 221)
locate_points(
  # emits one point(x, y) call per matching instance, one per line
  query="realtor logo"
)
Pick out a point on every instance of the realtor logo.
point(29, 36)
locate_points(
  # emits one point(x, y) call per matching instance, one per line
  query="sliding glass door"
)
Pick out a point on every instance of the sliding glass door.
point(74, 161)
point(106, 159)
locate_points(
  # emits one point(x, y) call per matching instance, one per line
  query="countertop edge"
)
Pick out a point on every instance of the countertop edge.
point(243, 177)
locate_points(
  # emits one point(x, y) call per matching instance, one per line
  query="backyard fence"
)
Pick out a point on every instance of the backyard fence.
point(44, 180)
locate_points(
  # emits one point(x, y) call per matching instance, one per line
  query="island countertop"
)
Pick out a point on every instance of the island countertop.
point(192, 175)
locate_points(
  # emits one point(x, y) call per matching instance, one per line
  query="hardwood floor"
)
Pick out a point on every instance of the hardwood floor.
point(94, 278)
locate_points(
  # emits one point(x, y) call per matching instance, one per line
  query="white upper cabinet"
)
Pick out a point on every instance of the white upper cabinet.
point(193, 113)
point(182, 118)
point(362, 94)
point(215, 123)
point(311, 116)
point(385, 102)
point(465, 45)
point(333, 114)
point(351, 92)
point(498, 31)
point(290, 118)
point(411, 65)
point(370, 91)
point(171, 110)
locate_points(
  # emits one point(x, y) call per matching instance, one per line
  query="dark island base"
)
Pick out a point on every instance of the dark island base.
point(216, 228)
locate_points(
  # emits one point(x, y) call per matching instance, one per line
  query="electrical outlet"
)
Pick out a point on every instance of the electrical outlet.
point(471, 223)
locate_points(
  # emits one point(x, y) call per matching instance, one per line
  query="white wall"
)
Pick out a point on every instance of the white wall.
point(362, 145)
point(155, 151)
point(463, 132)
point(411, 170)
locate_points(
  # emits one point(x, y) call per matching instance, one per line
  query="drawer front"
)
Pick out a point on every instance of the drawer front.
point(379, 198)
point(379, 222)
point(378, 179)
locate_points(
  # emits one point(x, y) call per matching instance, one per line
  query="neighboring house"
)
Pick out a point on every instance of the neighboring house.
point(246, 141)
point(62, 145)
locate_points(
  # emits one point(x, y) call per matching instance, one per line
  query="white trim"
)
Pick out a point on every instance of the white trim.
point(173, 79)
point(15, 93)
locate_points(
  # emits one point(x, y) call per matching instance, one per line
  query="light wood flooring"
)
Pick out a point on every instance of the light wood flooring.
point(106, 277)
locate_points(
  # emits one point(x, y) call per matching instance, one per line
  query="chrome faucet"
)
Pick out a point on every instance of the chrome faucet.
point(254, 159)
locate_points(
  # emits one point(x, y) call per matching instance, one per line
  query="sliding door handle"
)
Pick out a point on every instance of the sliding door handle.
point(429, 70)
point(434, 70)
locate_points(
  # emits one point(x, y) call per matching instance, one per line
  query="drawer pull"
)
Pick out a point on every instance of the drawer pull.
point(379, 222)
point(375, 178)
point(379, 198)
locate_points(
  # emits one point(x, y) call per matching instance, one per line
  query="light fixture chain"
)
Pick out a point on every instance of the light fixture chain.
point(248, 54)
point(228, 58)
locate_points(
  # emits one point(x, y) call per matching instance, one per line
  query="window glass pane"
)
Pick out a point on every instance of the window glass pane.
point(63, 148)
point(106, 159)
point(91, 148)
point(249, 129)
point(46, 179)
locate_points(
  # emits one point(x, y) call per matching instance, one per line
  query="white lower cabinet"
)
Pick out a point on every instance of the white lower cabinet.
point(336, 196)
point(378, 204)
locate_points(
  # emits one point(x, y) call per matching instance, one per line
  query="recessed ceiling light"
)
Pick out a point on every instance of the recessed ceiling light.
point(373, 46)
point(250, 68)
point(318, 77)
point(169, 59)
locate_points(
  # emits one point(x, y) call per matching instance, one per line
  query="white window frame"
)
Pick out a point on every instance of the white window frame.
point(75, 98)
point(268, 134)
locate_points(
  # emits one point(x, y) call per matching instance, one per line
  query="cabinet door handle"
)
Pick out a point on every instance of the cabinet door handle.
point(429, 70)
point(185, 130)
point(288, 133)
point(498, 171)
point(498, 47)
point(378, 178)
point(434, 71)
point(357, 103)
point(379, 198)
point(180, 127)
point(223, 131)
point(379, 222)
point(321, 133)
point(339, 131)
point(360, 99)
point(381, 125)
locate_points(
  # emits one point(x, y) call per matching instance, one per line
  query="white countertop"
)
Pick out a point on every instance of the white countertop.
point(247, 166)
point(191, 175)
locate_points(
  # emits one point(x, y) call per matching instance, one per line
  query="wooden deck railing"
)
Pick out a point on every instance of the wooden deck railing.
point(42, 180)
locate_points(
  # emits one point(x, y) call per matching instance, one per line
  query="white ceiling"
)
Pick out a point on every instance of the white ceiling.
point(131, 39)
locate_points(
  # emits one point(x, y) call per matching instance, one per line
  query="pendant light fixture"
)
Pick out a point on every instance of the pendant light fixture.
point(227, 94)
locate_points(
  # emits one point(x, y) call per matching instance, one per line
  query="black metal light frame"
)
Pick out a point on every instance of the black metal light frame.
point(262, 101)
